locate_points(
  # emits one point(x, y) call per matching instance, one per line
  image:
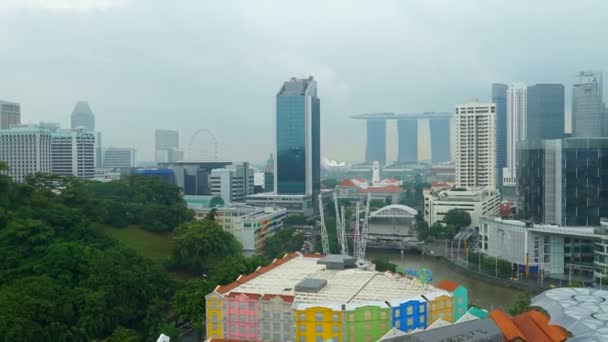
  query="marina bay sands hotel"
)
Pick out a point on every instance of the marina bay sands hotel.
point(407, 129)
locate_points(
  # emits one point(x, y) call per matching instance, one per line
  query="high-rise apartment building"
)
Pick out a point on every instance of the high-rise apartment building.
point(83, 117)
point(10, 114)
point(298, 141)
point(376, 141)
point(25, 150)
point(233, 183)
point(115, 157)
point(515, 130)
point(564, 181)
point(476, 145)
point(167, 146)
point(499, 98)
point(73, 153)
point(588, 105)
point(545, 112)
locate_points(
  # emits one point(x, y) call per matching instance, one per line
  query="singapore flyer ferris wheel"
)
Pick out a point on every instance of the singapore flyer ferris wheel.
point(202, 146)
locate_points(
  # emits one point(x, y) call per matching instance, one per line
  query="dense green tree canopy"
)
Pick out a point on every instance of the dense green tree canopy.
point(61, 279)
point(284, 241)
point(199, 244)
point(457, 218)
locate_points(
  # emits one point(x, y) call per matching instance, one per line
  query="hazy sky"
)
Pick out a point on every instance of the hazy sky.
point(191, 64)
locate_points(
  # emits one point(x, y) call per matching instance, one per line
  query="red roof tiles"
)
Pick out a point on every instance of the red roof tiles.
point(509, 330)
point(285, 298)
point(530, 326)
point(377, 189)
point(347, 183)
point(448, 285)
point(225, 288)
point(254, 296)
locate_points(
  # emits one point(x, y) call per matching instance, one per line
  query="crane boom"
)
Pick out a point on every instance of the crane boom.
point(324, 238)
point(365, 229)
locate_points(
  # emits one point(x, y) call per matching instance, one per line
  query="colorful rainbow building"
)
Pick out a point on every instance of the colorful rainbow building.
point(319, 299)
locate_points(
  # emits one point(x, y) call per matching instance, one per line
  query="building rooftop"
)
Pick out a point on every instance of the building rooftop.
point(476, 330)
point(528, 326)
point(349, 286)
point(296, 87)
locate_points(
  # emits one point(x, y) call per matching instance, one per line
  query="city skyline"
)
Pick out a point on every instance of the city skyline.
point(120, 85)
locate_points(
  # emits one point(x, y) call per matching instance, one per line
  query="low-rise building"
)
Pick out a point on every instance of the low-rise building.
point(305, 298)
point(118, 158)
point(388, 190)
point(232, 183)
point(556, 251)
point(250, 225)
point(294, 204)
point(477, 202)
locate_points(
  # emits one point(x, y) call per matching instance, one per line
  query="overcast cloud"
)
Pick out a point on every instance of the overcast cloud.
point(190, 64)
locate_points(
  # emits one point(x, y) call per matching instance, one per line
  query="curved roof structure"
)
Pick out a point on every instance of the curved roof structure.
point(581, 311)
point(395, 210)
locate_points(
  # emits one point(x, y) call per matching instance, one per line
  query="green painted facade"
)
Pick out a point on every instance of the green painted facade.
point(461, 301)
point(366, 323)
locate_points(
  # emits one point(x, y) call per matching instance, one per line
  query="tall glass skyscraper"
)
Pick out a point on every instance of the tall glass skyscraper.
point(588, 105)
point(545, 112)
point(564, 181)
point(408, 140)
point(298, 138)
point(376, 141)
point(499, 98)
point(83, 117)
point(440, 140)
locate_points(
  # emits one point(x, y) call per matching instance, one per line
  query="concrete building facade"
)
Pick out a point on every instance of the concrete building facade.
point(116, 157)
point(232, 183)
point(73, 153)
point(25, 150)
point(476, 145)
point(10, 114)
point(516, 130)
point(166, 146)
point(477, 202)
point(499, 98)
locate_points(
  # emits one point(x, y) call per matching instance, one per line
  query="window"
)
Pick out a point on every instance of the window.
point(251, 319)
point(214, 303)
point(335, 329)
point(319, 328)
point(319, 339)
point(422, 308)
point(367, 327)
point(286, 316)
point(276, 316)
point(232, 305)
point(336, 317)
point(266, 325)
point(398, 324)
point(242, 329)
point(251, 330)
point(276, 327)
point(302, 338)
point(410, 310)
point(251, 306)
point(448, 303)
point(266, 315)
point(276, 337)
point(318, 317)
point(421, 321)
point(351, 317)
point(302, 317)
point(232, 318)
point(302, 328)
point(266, 336)
point(383, 314)
point(242, 318)
point(214, 316)
point(397, 313)
point(410, 322)
point(213, 326)
point(460, 300)
point(241, 306)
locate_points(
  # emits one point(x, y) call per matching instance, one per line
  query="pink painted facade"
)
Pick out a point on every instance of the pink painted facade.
point(241, 316)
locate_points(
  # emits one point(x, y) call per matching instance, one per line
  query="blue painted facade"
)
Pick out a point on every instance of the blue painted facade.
point(410, 315)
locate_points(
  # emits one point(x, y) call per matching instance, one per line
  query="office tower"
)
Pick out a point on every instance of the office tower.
point(499, 98)
point(269, 175)
point(440, 140)
point(83, 117)
point(115, 157)
point(233, 183)
point(25, 150)
point(408, 141)
point(563, 181)
point(166, 146)
point(99, 158)
point(73, 153)
point(545, 112)
point(516, 129)
point(476, 145)
point(10, 114)
point(298, 142)
point(376, 141)
point(588, 105)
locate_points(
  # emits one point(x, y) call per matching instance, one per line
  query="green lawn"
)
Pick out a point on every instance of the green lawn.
point(145, 243)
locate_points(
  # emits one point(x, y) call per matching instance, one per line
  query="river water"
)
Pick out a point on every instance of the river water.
point(485, 295)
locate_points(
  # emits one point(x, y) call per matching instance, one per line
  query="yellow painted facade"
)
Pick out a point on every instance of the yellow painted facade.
point(318, 323)
point(214, 309)
point(441, 307)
